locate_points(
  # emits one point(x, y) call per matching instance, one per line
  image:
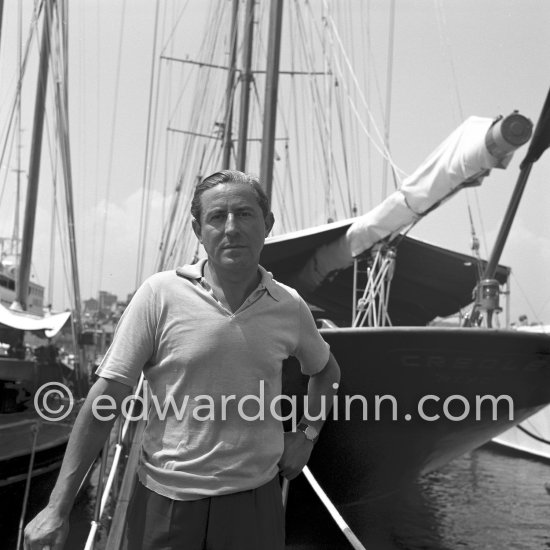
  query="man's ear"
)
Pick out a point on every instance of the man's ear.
point(269, 221)
point(196, 229)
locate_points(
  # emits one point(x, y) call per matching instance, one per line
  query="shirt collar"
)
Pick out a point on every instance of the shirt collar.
point(191, 271)
point(195, 271)
point(269, 284)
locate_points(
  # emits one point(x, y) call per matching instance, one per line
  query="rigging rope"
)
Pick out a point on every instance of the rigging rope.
point(382, 150)
point(194, 153)
point(111, 148)
point(523, 293)
point(22, 68)
point(98, 113)
point(174, 27)
point(389, 82)
point(367, 87)
point(444, 37)
point(148, 161)
point(317, 104)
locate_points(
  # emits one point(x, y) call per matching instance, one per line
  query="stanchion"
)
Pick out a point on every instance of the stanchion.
point(340, 521)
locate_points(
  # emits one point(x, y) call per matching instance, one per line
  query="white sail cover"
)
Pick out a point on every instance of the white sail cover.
point(21, 320)
point(462, 156)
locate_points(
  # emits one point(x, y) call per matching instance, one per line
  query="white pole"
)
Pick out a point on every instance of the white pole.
point(340, 521)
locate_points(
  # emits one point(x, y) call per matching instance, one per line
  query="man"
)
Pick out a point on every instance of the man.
point(211, 336)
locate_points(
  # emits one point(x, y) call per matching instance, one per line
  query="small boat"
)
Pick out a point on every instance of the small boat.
point(8, 281)
point(532, 436)
point(30, 443)
point(39, 391)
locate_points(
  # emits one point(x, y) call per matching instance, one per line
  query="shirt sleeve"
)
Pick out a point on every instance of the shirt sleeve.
point(312, 351)
point(134, 340)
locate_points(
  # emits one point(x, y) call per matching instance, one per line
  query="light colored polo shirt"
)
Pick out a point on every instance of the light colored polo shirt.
point(208, 370)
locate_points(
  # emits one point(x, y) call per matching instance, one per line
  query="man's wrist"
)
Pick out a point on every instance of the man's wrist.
point(310, 432)
point(61, 510)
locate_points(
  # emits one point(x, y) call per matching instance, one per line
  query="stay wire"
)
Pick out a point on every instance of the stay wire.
point(111, 147)
point(33, 30)
point(177, 21)
point(148, 158)
point(381, 148)
point(389, 86)
point(444, 37)
point(525, 297)
point(337, 67)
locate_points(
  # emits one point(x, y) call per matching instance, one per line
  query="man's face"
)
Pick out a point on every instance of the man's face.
point(232, 228)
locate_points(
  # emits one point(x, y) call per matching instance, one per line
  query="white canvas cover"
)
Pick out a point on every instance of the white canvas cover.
point(462, 156)
point(21, 320)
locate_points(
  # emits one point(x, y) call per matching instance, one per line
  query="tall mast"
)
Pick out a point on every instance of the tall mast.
point(227, 136)
point(23, 276)
point(246, 78)
point(270, 96)
point(62, 107)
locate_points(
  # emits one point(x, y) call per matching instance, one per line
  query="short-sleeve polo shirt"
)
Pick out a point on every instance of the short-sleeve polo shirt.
point(208, 370)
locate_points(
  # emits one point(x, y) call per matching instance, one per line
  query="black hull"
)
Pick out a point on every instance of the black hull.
point(357, 460)
point(16, 469)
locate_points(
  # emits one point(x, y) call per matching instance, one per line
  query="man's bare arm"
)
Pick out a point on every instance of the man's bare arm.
point(297, 448)
point(50, 527)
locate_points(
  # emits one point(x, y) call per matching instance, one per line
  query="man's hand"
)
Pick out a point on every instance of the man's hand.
point(46, 530)
point(295, 455)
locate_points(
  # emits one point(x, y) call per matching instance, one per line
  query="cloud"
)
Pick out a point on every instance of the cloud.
point(107, 248)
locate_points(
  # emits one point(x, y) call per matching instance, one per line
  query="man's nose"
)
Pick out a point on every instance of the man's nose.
point(230, 223)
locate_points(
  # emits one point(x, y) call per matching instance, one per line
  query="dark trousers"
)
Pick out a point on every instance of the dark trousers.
point(249, 520)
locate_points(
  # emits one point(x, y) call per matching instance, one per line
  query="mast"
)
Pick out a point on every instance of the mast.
point(517, 132)
point(541, 139)
point(270, 96)
point(246, 79)
point(65, 150)
point(23, 275)
point(227, 135)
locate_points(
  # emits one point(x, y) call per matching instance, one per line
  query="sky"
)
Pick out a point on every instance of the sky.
point(451, 59)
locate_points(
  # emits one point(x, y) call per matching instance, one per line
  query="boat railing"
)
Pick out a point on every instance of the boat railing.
point(35, 429)
point(372, 277)
point(352, 538)
point(108, 486)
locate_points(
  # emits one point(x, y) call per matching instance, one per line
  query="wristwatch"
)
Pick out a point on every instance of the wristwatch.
point(309, 431)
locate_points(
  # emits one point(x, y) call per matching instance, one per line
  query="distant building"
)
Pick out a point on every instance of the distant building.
point(106, 301)
point(91, 306)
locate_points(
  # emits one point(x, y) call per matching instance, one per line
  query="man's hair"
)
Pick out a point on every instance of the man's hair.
point(228, 176)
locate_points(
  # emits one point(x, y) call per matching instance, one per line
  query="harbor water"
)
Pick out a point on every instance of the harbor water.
point(487, 499)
